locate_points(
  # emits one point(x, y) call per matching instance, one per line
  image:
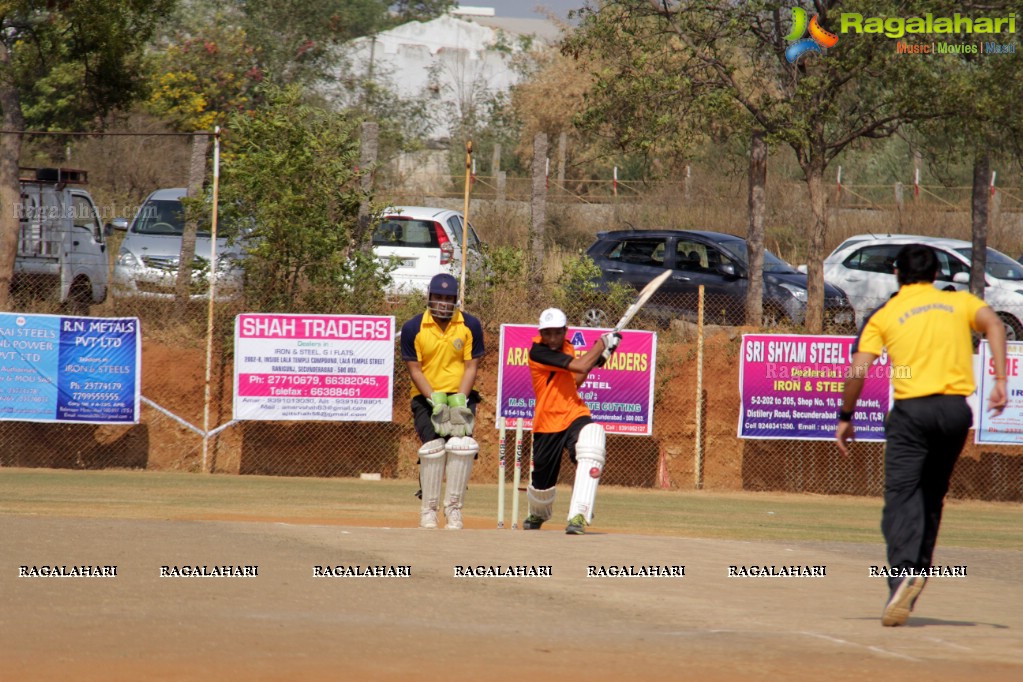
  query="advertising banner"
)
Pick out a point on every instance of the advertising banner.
point(69, 369)
point(620, 395)
point(313, 367)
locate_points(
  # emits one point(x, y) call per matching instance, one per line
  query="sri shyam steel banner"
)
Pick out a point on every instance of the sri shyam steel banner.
point(313, 367)
point(620, 395)
point(69, 369)
point(790, 387)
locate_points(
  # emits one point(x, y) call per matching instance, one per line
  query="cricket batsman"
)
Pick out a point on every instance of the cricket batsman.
point(562, 421)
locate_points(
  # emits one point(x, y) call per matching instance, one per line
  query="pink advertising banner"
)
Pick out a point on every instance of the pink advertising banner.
point(313, 367)
point(790, 387)
point(619, 395)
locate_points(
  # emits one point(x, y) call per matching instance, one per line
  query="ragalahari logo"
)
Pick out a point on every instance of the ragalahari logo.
point(819, 37)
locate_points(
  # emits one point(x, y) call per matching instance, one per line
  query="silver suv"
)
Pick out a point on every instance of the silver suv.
point(422, 242)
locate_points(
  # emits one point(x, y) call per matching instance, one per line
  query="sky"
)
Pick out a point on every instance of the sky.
point(525, 8)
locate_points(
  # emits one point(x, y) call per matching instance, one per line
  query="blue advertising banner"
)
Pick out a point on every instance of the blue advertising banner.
point(69, 369)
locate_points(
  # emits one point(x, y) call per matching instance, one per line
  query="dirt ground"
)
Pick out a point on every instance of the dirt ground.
point(286, 624)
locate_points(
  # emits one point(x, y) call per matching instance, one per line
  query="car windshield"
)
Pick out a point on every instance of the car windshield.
point(771, 262)
point(161, 217)
point(998, 264)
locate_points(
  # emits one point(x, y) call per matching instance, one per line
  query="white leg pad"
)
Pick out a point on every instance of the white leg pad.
point(590, 456)
point(431, 472)
point(461, 451)
point(541, 502)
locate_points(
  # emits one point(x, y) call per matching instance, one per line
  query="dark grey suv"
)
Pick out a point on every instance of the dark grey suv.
point(717, 261)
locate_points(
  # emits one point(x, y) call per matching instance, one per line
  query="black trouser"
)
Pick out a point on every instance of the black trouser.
point(924, 438)
point(547, 449)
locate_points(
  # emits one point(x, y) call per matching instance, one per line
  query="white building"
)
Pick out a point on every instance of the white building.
point(457, 61)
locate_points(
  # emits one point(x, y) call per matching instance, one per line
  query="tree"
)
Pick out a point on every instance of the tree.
point(980, 122)
point(546, 100)
point(88, 51)
point(200, 77)
point(419, 10)
point(290, 173)
point(675, 70)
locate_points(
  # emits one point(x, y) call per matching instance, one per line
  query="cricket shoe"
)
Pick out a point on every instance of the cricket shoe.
point(454, 517)
point(902, 600)
point(576, 525)
point(532, 522)
point(428, 518)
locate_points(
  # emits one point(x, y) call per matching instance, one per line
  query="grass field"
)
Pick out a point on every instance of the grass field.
point(736, 516)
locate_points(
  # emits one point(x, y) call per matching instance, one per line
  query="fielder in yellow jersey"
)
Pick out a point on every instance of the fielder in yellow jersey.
point(928, 333)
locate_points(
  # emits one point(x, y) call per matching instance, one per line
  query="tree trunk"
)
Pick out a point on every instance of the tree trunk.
point(538, 208)
point(814, 322)
point(979, 215)
point(562, 160)
point(755, 235)
point(369, 146)
point(196, 175)
point(10, 189)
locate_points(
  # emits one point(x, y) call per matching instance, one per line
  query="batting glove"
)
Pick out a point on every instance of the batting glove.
point(611, 341)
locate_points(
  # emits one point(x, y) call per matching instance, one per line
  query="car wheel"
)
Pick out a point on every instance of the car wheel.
point(78, 298)
point(595, 317)
point(1013, 328)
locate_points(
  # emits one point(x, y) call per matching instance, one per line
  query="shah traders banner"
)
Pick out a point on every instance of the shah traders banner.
point(69, 369)
point(313, 367)
point(620, 395)
point(1006, 428)
point(790, 387)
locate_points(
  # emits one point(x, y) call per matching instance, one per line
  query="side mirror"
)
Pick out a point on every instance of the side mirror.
point(120, 224)
point(727, 269)
point(801, 268)
point(961, 278)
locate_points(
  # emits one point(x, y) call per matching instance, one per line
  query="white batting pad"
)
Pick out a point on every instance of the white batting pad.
point(431, 472)
point(541, 502)
point(463, 445)
point(461, 451)
point(589, 455)
point(431, 447)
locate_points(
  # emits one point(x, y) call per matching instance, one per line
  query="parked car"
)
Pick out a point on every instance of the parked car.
point(422, 242)
point(863, 267)
point(147, 264)
point(717, 261)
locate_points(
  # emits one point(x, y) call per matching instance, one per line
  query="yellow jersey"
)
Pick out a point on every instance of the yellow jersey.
point(927, 334)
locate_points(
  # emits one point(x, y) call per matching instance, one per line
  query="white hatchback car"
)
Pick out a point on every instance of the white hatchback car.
point(862, 267)
point(423, 242)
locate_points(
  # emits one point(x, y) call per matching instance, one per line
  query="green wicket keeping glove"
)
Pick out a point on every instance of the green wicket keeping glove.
point(462, 419)
point(441, 416)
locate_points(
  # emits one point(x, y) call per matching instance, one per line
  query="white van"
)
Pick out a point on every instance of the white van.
point(147, 264)
point(61, 239)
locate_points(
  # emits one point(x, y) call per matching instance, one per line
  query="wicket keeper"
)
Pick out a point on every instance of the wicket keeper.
point(442, 348)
